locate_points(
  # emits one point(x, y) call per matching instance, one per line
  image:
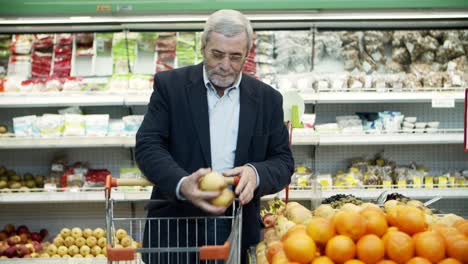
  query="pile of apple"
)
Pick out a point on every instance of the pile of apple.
point(77, 243)
point(12, 181)
point(20, 242)
point(85, 243)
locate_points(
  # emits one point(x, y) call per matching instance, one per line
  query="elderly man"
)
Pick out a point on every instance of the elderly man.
point(212, 117)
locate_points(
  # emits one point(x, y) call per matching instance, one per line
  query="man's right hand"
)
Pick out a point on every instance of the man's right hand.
point(189, 189)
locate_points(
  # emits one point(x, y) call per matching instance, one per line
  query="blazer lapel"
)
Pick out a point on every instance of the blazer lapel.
point(198, 101)
point(247, 119)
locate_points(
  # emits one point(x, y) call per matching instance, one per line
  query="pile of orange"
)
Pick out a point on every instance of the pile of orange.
point(372, 236)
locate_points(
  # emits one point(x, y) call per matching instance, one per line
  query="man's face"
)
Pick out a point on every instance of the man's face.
point(224, 58)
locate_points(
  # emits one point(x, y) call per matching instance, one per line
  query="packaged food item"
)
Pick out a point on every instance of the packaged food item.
point(50, 125)
point(325, 181)
point(139, 83)
point(166, 51)
point(97, 125)
point(132, 123)
point(53, 85)
point(57, 169)
point(301, 177)
point(118, 83)
point(73, 84)
point(116, 127)
point(74, 125)
point(96, 178)
point(186, 48)
point(74, 177)
point(23, 126)
point(70, 110)
point(84, 44)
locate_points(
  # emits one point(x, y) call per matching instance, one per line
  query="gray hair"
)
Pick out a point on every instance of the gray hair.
point(229, 23)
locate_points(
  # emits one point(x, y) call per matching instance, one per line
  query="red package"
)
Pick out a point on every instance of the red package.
point(63, 51)
point(2, 89)
point(96, 177)
point(64, 39)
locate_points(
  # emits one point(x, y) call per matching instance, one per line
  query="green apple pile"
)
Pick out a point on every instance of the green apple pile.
point(12, 181)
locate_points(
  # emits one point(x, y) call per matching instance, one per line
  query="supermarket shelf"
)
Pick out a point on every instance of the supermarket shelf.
point(391, 139)
point(79, 196)
point(311, 139)
point(59, 99)
point(372, 194)
point(373, 96)
point(51, 99)
point(140, 98)
point(443, 136)
point(67, 142)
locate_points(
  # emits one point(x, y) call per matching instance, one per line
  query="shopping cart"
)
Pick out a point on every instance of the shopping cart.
point(197, 239)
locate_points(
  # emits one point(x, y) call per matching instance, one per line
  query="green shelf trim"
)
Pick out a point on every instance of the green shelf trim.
point(16, 8)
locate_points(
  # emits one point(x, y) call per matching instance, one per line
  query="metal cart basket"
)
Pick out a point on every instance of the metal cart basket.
point(197, 239)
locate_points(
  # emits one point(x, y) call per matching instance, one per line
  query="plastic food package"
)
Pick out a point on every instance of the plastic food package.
point(19, 66)
point(73, 84)
point(146, 41)
point(70, 110)
point(50, 125)
point(433, 79)
point(264, 56)
point(123, 52)
point(302, 177)
point(391, 120)
point(412, 82)
point(118, 83)
point(21, 44)
point(139, 82)
point(84, 44)
point(23, 126)
point(453, 79)
point(289, 49)
point(356, 81)
point(96, 178)
point(97, 125)
point(116, 127)
point(186, 48)
point(74, 125)
point(166, 51)
point(53, 85)
point(250, 67)
point(132, 123)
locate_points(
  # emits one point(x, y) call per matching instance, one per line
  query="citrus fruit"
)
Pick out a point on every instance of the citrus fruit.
point(340, 249)
point(370, 249)
point(299, 247)
point(376, 223)
point(399, 246)
point(320, 230)
point(418, 260)
point(411, 220)
point(322, 260)
point(429, 245)
point(449, 261)
point(350, 223)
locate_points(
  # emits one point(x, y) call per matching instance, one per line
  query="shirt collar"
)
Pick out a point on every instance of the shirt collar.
point(208, 84)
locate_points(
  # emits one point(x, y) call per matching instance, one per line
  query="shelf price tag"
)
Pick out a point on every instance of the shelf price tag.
point(428, 182)
point(442, 182)
point(401, 184)
point(452, 181)
point(442, 100)
point(417, 182)
point(387, 184)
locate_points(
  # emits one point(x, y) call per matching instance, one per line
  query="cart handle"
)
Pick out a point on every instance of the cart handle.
point(120, 254)
point(215, 252)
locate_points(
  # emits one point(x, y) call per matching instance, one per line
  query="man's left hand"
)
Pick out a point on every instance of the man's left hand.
point(247, 183)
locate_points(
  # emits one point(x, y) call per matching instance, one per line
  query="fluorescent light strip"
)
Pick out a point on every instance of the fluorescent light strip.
point(312, 16)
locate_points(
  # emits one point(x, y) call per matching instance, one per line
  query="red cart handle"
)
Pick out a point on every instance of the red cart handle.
point(215, 252)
